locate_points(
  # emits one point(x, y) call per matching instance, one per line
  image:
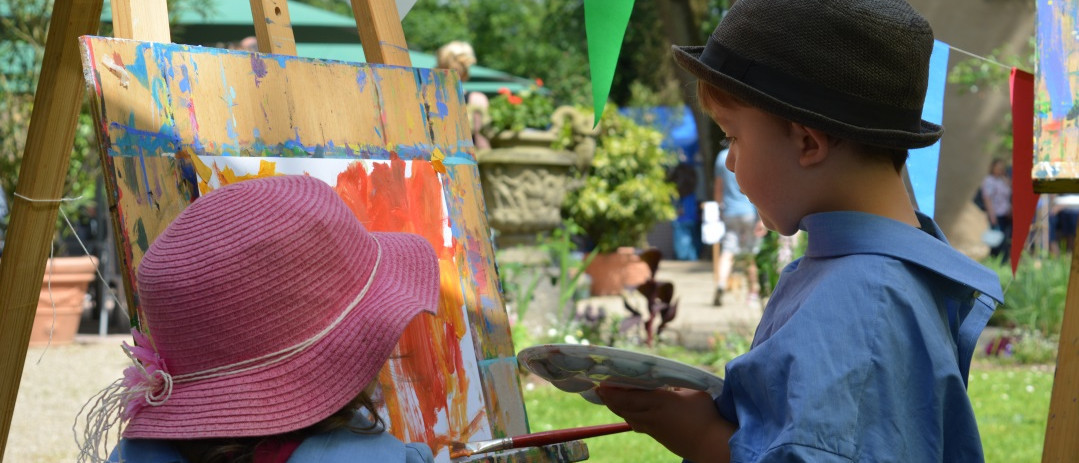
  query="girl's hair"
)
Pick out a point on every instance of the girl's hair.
point(242, 449)
point(711, 97)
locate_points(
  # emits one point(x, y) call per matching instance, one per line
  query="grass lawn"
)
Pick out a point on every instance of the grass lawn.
point(1011, 404)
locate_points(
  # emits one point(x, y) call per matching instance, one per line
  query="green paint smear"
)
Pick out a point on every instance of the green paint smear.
point(140, 236)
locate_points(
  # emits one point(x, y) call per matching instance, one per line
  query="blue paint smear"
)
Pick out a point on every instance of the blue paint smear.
point(361, 78)
point(165, 141)
point(185, 80)
point(281, 60)
point(138, 68)
point(1051, 59)
point(486, 363)
point(923, 163)
point(258, 67)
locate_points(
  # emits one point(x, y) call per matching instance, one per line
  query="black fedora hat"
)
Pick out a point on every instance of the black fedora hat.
point(857, 69)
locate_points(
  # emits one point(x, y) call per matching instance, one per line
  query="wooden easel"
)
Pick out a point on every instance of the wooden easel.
point(50, 138)
point(1062, 428)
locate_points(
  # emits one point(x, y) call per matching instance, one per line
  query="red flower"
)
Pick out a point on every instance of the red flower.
point(504, 91)
point(539, 82)
point(514, 99)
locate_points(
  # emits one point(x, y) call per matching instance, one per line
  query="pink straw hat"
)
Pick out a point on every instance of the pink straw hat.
point(271, 307)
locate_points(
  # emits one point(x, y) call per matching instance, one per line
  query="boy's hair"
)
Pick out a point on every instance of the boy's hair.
point(710, 96)
point(856, 69)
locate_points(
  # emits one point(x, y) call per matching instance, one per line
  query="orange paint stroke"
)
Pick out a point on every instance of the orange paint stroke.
point(429, 360)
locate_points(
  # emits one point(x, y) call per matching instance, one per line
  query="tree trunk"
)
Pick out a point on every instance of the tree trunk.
point(681, 27)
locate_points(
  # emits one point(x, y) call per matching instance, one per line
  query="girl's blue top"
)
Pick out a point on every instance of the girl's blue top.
point(342, 445)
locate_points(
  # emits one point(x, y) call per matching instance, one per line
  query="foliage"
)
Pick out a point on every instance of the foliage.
point(535, 39)
point(767, 260)
point(972, 75)
point(519, 282)
point(529, 109)
point(626, 191)
point(1034, 300)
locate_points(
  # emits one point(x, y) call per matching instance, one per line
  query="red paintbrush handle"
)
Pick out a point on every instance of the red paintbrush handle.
point(564, 435)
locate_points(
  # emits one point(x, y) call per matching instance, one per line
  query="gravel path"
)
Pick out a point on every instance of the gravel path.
point(53, 388)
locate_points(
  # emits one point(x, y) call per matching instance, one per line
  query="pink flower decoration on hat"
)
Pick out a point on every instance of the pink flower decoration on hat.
point(147, 380)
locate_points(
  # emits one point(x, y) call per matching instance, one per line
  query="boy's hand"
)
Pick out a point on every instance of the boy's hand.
point(685, 421)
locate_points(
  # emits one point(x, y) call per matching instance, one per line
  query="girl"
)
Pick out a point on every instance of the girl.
point(269, 311)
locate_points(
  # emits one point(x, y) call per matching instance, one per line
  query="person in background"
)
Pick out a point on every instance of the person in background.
point(262, 347)
point(997, 197)
point(742, 237)
point(686, 224)
point(458, 56)
point(1063, 217)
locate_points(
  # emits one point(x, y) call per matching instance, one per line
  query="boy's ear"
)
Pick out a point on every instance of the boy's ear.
point(813, 144)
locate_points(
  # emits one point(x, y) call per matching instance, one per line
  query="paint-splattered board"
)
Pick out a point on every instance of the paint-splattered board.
point(175, 121)
point(1056, 127)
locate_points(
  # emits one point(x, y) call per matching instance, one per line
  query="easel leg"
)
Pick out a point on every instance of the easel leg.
point(44, 170)
point(1062, 428)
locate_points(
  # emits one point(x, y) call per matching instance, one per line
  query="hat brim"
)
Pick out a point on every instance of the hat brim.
point(319, 380)
point(689, 57)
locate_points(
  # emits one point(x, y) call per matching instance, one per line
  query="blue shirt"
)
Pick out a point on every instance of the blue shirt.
point(735, 203)
point(342, 445)
point(864, 349)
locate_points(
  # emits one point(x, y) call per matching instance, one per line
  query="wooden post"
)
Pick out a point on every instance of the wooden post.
point(273, 27)
point(381, 35)
point(44, 169)
point(1062, 428)
point(141, 20)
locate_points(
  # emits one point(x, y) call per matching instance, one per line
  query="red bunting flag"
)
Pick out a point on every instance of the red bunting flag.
point(1024, 201)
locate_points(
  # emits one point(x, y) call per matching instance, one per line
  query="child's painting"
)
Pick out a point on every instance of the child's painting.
point(177, 121)
point(1056, 128)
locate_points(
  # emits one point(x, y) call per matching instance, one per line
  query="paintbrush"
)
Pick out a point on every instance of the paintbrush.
point(459, 449)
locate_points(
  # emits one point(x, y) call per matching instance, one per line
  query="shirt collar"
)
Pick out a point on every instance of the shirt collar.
point(834, 234)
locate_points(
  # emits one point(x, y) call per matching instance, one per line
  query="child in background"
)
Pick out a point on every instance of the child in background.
point(863, 351)
point(269, 310)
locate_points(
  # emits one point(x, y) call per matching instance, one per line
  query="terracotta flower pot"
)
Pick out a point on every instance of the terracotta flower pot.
point(613, 272)
point(70, 277)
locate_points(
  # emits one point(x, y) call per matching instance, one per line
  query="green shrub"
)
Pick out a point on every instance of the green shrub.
point(1034, 300)
point(626, 190)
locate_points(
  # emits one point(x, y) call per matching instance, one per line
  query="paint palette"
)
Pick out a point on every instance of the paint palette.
point(578, 368)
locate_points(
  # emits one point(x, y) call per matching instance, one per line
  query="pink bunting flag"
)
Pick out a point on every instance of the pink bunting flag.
point(1024, 201)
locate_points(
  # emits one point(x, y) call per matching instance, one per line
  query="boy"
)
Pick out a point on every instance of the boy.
point(864, 348)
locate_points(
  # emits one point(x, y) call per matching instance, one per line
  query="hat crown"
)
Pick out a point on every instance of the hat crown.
point(252, 268)
point(876, 50)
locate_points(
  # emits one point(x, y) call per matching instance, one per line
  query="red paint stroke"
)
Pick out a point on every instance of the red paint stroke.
point(1024, 201)
point(431, 360)
point(1052, 125)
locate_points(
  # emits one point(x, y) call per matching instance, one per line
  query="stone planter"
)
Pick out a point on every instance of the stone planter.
point(524, 179)
point(70, 277)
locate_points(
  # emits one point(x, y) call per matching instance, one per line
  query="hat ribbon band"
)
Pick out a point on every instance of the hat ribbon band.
point(809, 96)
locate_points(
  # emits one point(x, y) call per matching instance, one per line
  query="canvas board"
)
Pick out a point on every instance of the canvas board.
point(177, 121)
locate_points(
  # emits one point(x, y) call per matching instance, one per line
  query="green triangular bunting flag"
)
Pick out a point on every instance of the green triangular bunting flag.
point(605, 24)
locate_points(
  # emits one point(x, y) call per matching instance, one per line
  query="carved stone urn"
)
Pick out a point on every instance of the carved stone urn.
point(524, 179)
